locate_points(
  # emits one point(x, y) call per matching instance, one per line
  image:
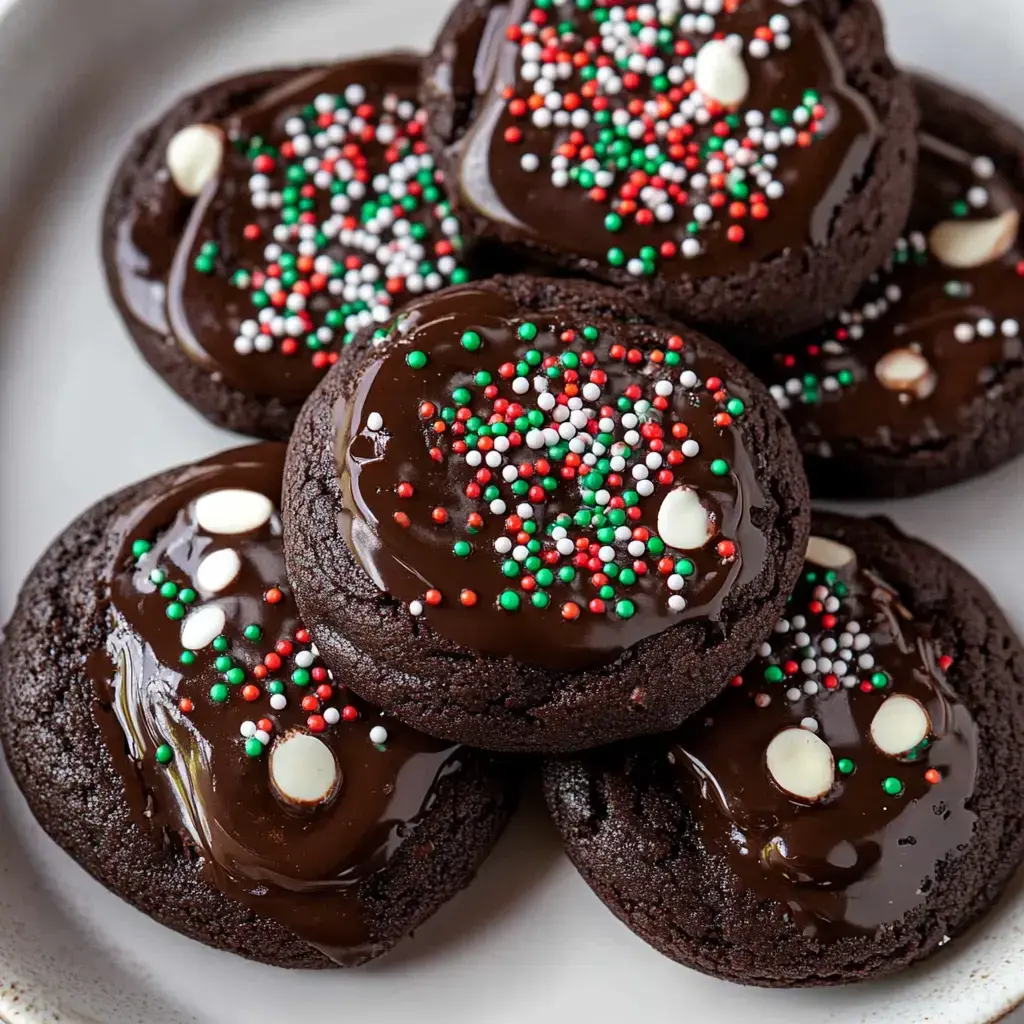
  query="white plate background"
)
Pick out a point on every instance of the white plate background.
point(81, 415)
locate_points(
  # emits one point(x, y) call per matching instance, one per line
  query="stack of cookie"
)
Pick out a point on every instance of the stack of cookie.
point(557, 325)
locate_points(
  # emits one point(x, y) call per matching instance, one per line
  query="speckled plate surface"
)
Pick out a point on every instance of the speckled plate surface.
point(80, 415)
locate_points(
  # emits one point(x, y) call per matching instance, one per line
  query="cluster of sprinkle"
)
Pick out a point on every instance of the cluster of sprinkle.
point(289, 669)
point(618, 86)
point(883, 294)
point(841, 657)
point(562, 430)
point(388, 230)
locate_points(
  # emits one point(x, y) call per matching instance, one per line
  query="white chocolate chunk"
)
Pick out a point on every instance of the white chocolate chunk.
point(303, 769)
point(194, 156)
point(720, 73)
point(217, 571)
point(233, 511)
point(829, 554)
point(906, 371)
point(972, 243)
point(202, 627)
point(899, 725)
point(683, 521)
point(801, 764)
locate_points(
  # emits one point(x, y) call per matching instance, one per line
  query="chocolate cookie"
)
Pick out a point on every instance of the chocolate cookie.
point(173, 727)
point(265, 220)
point(743, 166)
point(853, 800)
point(920, 383)
point(535, 516)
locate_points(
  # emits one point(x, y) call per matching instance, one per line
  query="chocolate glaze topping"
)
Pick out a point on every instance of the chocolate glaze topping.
point(544, 489)
point(326, 202)
point(928, 338)
point(199, 740)
point(864, 853)
point(613, 137)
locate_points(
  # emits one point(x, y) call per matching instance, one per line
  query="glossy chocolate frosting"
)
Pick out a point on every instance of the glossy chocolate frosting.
point(509, 478)
point(197, 734)
point(928, 338)
point(605, 132)
point(865, 853)
point(327, 212)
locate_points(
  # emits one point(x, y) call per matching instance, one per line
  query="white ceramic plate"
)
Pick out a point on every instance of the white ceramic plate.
point(80, 415)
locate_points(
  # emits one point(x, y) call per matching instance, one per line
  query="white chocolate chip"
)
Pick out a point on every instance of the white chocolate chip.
point(217, 571)
point(683, 521)
point(233, 511)
point(303, 769)
point(194, 156)
point(829, 554)
point(899, 725)
point(720, 73)
point(801, 764)
point(202, 627)
point(973, 243)
point(906, 371)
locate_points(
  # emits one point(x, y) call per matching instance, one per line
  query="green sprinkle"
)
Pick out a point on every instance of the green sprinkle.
point(471, 341)
point(301, 677)
point(164, 754)
point(187, 658)
point(773, 674)
point(175, 611)
point(461, 395)
point(540, 599)
point(720, 467)
point(845, 766)
point(527, 332)
point(416, 359)
point(735, 407)
point(253, 632)
point(685, 567)
point(235, 676)
point(275, 686)
point(509, 600)
point(625, 609)
point(187, 595)
point(221, 643)
point(223, 663)
point(253, 747)
point(879, 680)
point(462, 548)
point(140, 547)
point(169, 590)
point(219, 693)
point(892, 786)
